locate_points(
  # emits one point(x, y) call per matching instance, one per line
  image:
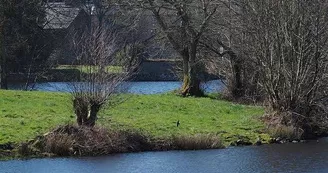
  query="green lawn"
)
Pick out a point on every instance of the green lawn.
point(89, 69)
point(23, 115)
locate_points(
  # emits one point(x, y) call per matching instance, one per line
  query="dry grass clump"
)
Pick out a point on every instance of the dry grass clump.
point(286, 132)
point(284, 126)
point(70, 140)
point(85, 141)
point(60, 144)
point(134, 141)
point(196, 142)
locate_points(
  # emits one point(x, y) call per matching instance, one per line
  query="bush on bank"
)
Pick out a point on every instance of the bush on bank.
point(71, 140)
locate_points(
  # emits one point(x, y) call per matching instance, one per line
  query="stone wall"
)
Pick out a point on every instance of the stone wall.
point(157, 70)
point(164, 70)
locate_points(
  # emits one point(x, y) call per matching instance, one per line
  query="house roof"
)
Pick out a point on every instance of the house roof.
point(60, 15)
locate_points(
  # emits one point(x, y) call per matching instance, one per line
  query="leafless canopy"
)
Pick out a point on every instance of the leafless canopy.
point(95, 50)
point(287, 41)
point(183, 22)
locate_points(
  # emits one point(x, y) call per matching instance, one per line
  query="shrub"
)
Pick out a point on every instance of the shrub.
point(283, 126)
point(59, 144)
point(71, 140)
point(86, 141)
point(286, 132)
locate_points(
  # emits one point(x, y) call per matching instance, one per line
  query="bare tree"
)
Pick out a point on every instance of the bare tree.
point(24, 44)
point(183, 23)
point(287, 41)
point(223, 48)
point(96, 50)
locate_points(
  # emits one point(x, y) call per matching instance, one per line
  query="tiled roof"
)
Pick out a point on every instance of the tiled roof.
point(60, 16)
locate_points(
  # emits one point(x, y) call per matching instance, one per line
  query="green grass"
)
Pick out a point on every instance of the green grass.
point(89, 69)
point(24, 115)
point(158, 114)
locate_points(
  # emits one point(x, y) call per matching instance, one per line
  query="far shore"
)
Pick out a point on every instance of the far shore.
point(67, 73)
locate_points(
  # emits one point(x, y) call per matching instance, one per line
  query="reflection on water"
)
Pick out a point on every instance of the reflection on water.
point(127, 87)
point(302, 157)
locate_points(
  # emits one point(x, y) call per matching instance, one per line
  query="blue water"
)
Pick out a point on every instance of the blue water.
point(127, 87)
point(309, 157)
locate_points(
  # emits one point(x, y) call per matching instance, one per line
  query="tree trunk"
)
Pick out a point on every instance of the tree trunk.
point(3, 71)
point(81, 108)
point(191, 82)
point(81, 111)
point(94, 109)
point(238, 90)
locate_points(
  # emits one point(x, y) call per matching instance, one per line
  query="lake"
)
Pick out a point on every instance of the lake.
point(301, 157)
point(127, 87)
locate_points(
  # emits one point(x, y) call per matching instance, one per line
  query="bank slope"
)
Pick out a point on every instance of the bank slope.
point(24, 115)
point(158, 115)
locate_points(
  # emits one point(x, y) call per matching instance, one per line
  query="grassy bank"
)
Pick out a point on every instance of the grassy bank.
point(25, 115)
point(88, 69)
point(158, 114)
